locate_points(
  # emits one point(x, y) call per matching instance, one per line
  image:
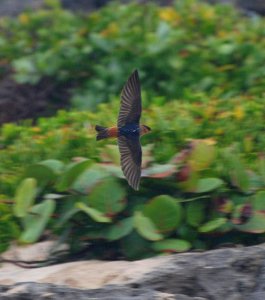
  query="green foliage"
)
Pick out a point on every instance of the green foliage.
point(24, 197)
point(188, 48)
point(171, 245)
point(206, 61)
point(9, 229)
point(107, 214)
point(35, 221)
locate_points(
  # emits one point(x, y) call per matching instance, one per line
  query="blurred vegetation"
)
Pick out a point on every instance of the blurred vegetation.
point(202, 72)
point(179, 50)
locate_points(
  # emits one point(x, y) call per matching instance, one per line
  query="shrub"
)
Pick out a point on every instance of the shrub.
point(191, 202)
point(181, 50)
point(207, 62)
point(210, 189)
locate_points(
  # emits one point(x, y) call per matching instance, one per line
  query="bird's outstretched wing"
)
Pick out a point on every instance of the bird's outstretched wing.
point(131, 104)
point(131, 159)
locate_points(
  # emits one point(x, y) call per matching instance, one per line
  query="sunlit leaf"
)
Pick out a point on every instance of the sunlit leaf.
point(25, 196)
point(108, 197)
point(202, 155)
point(95, 214)
point(208, 184)
point(171, 245)
point(36, 220)
point(212, 225)
point(159, 171)
point(165, 212)
point(145, 227)
point(256, 223)
point(88, 179)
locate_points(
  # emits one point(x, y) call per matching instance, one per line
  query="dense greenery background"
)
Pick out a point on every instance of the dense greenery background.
point(202, 72)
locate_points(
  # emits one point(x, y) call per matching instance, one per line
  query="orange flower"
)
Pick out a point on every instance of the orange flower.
point(23, 19)
point(36, 129)
point(239, 113)
point(219, 131)
point(112, 29)
point(169, 15)
point(208, 13)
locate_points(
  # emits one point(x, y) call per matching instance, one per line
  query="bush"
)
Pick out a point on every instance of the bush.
point(207, 62)
point(212, 188)
point(194, 201)
point(180, 50)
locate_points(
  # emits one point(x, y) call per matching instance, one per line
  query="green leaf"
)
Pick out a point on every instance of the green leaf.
point(25, 196)
point(237, 172)
point(159, 171)
point(55, 165)
point(145, 227)
point(259, 201)
point(134, 246)
point(191, 183)
point(165, 212)
point(212, 225)
point(256, 223)
point(36, 220)
point(93, 213)
point(42, 173)
point(262, 169)
point(208, 184)
point(171, 245)
point(120, 229)
point(68, 178)
point(195, 213)
point(107, 197)
point(202, 155)
point(88, 179)
point(67, 208)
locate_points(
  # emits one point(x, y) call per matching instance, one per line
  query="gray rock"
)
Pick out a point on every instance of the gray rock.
point(231, 274)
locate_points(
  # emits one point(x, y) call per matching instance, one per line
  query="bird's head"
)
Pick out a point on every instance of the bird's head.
point(145, 129)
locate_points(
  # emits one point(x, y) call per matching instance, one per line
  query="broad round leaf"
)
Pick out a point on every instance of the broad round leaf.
point(208, 184)
point(36, 221)
point(107, 197)
point(256, 223)
point(88, 179)
point(71, 174)
point(54, 164)
point(195, 213)
point(120, 229)
point(171, 245)
point(25, 195)
point(42, 173)
point(165, 213)
point(145, 227)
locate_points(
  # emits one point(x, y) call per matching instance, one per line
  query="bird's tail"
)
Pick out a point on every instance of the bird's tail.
point(102, 131)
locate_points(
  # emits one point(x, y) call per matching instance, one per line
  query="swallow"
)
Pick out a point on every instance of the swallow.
point(128, 131)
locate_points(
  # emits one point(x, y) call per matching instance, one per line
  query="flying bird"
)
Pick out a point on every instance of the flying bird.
point(128, 130)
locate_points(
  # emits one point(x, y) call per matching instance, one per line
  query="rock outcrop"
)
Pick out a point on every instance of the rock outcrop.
point(230, 273)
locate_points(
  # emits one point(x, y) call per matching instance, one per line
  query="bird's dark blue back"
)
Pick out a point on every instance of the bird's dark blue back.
point(130, 130)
